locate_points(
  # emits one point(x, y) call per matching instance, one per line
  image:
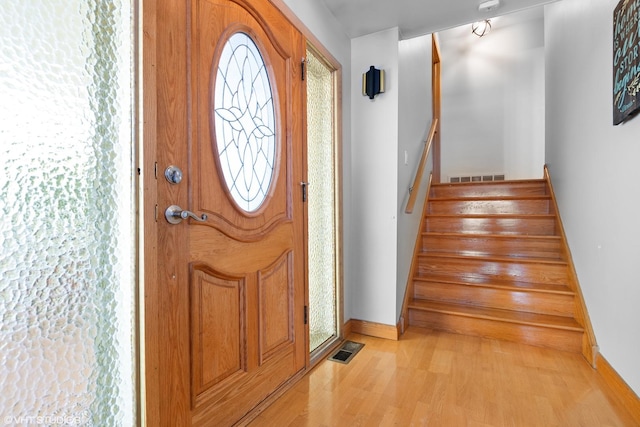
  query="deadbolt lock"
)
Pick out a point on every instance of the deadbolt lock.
point(173, 174)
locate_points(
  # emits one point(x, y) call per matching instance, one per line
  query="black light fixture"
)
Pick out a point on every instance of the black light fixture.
point(481, 28)
point(372, 82)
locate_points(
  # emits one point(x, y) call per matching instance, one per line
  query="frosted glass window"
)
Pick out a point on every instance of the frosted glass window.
point(67, 230)
point(322, 202)
point(245, 127)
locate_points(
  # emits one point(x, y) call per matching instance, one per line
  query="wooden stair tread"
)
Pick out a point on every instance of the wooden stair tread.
point(493, 244)
point(480, 224)
point(491, 215)
point(482, 257)
point(489, 198)
point(502, 182)
point(499, 284)
point(553, 237)
point(491, 187)
point(508, 316)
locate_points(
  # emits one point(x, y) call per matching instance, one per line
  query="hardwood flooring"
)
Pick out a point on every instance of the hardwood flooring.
point(431, 378)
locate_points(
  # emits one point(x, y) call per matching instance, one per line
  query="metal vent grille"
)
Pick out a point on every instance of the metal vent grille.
point(476, 178)
point(346, 352)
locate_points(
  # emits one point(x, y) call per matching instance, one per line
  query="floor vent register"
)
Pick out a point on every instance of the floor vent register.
point(346, 352)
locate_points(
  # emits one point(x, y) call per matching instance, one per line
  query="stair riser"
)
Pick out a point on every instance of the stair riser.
point(459, 269)
point(533, 335)
point(506, 299)
point(489, 190)
point(533, 226)
point(488, 246)
point(476, 207)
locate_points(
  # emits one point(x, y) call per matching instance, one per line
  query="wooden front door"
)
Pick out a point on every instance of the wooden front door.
point(225, 321)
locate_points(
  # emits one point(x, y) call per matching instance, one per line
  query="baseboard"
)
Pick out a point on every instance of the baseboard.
point(623, 392)
point(372, 329)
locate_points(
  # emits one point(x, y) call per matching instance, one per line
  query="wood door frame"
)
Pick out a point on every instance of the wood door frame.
point(153, 33)
point(335, 64)
point(315, 357)
point(149, 307)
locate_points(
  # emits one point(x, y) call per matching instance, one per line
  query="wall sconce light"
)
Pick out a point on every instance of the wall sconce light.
point(481, 28)
point(372, 82)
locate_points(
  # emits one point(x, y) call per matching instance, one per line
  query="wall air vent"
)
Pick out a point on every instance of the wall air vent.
point(476, 178)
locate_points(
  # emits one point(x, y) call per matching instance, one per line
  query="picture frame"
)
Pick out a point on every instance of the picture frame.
point(626, 60)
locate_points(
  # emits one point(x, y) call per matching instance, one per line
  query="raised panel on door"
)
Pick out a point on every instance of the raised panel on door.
point(218, 331)
point(276, 288)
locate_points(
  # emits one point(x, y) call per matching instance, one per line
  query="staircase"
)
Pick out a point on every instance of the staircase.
point(491, 262)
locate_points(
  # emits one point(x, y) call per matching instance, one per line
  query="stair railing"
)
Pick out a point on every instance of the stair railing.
point(413, 190)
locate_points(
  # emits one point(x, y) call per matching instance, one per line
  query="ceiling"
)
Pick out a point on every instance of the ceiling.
point(416, 17)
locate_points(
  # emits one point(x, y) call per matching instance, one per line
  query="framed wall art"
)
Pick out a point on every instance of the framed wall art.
point(626, 60)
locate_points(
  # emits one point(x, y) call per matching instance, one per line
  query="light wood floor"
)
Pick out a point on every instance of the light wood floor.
point(438, 379)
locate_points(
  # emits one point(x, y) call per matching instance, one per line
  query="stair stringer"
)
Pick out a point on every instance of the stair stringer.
point(590, 347)
point(408, 291)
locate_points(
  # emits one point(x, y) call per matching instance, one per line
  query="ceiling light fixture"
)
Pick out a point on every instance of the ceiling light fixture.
point(481, 28)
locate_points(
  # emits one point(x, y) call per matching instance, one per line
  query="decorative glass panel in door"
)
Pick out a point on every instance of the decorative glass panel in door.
point(68, 218)
point(322, 209)
point(245, 122)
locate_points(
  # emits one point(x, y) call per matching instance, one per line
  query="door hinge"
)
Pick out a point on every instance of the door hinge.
point(304, 186)
point(302, 68)
point(306, 314)
point(155, 170)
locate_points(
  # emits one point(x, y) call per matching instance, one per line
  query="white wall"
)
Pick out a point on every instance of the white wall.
point(374, 179)
point(414, 120)
point(524, 126)
point(323, 25)
point(493, 98)
point(594, 169)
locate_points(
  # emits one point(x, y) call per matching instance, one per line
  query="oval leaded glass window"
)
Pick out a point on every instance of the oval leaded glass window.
point(245, 127)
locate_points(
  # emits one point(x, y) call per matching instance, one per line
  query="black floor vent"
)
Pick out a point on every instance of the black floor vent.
point(346, 352)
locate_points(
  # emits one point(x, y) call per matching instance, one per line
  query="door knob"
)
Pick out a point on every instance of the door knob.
point(174, 215)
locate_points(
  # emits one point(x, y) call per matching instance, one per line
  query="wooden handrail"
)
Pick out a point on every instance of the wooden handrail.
point(413, 190)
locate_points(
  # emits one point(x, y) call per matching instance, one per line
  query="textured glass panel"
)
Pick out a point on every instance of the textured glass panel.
point(322, 204)
point(244, 122)
point(66, 294)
